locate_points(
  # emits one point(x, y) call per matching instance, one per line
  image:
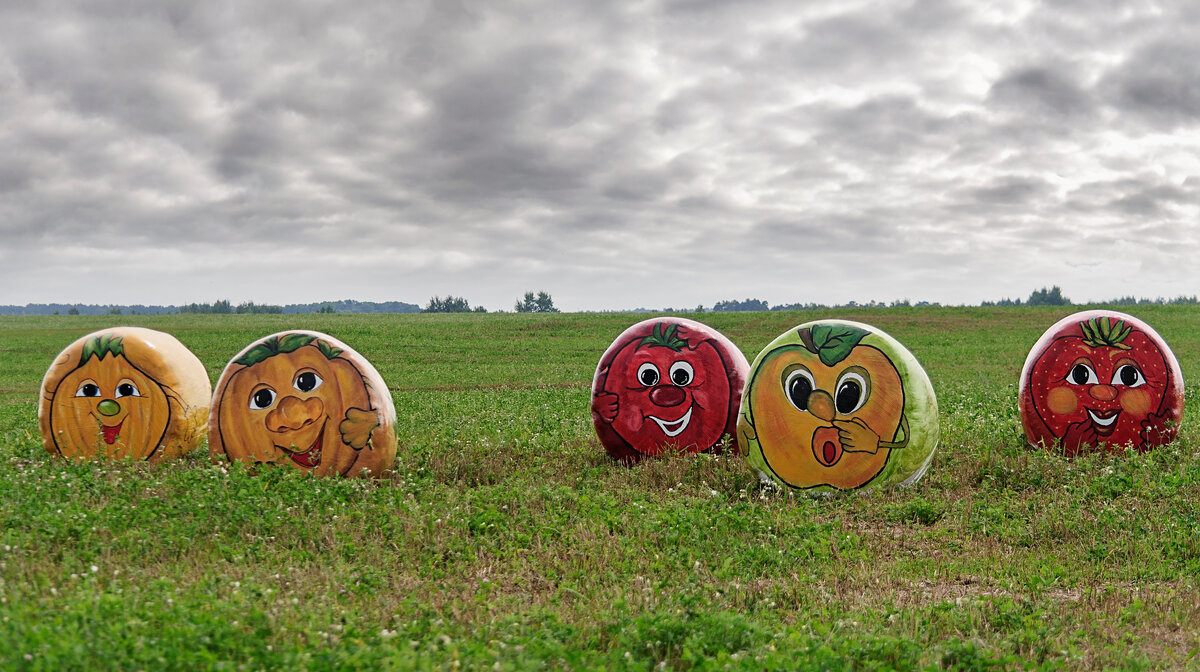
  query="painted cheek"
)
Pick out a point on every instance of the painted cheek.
point(1062, 401)
point(1135, 402)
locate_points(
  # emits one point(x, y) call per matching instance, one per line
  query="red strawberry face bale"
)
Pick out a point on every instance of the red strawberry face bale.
point(667, 384)
point(1101, 378)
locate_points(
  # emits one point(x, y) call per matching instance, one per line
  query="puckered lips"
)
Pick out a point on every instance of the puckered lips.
point(827, 446)
point(673, 428)
point(308, 458)
point(1105, 422)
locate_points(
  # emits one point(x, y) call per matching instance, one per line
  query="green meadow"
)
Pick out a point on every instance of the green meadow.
point(507, 539)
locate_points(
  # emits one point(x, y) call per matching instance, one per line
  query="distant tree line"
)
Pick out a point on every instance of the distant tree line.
point(535, 302)
point(222, 306)
point(451, 304)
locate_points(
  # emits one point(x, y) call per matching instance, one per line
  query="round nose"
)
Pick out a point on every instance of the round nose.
point(1103, 392)
point(292, 413)
point(108, 407)
point(667, 395)
point(820, 404)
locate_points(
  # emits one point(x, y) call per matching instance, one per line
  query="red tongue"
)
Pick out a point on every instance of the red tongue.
point(827, 447)
point(311, 457)
point(110, 433)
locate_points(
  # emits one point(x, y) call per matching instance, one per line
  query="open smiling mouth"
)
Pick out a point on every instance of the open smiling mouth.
point(1105, 423)
point(110, 434)
point(309, 458)
point(673, 428)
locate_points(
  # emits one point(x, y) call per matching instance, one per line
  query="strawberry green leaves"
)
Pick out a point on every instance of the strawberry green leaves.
point(1102, 331)
point(831, 342)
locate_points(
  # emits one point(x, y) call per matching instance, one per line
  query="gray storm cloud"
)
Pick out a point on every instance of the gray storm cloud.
point(615, 154)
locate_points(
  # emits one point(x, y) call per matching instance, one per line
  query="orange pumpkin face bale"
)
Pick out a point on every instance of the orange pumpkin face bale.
point(306, 400)
point(125, 392)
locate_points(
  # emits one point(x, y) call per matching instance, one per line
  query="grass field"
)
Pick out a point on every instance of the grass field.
point(507, 539)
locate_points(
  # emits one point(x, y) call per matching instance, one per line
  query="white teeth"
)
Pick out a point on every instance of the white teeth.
point(673, 428)
point(1103, 422)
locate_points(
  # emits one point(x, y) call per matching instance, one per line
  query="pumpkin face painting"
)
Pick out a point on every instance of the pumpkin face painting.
point(838, 405)
point(1100, 378)
point(305, 400)
point(667, 384)
point(125, 392)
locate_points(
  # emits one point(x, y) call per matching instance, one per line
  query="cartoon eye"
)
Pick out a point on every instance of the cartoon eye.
point(126, 388)
point(262, 398)
point(1082, 374)
point(648, 375)
point(1129, 376)
point(88, 388)
point(798, 387)
point(307, 381)
point(851, 393)
point(681, 373)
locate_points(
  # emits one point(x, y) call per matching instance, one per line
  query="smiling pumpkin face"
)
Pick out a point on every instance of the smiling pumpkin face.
point(837, 405)
point(125, 392)
point(305, 400)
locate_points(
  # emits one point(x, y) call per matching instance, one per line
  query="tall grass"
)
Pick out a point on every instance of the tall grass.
point(507, 539)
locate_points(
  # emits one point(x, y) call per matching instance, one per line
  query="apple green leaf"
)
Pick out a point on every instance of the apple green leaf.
point(831, 342)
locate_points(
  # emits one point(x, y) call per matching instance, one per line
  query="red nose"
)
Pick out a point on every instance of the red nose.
point(667, 395)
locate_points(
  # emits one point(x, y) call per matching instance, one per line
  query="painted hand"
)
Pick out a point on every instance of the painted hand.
point(856, 437)
point(1077, 436)
point(357, 427)
point(1154, 430)
point(605, 405)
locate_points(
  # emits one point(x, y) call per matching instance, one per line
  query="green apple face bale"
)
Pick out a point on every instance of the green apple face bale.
point(838, 405)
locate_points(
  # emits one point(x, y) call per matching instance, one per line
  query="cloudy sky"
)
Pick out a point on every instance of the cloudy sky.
point(615, 154)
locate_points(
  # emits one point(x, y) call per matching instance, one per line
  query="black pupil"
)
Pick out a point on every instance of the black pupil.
point(649, 377)
point(263, 398)
point(125, 389)
point(1129, 375)
point(799, 390)
point(1079, 374)
point(90, 390)
point(679, 376)
point(306, 381)
point(847, 396)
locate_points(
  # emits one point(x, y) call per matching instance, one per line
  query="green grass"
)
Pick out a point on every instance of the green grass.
point(507, 539)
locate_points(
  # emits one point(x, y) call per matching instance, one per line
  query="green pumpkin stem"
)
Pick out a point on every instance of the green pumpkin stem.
point(100, 346)
point(1103, 332)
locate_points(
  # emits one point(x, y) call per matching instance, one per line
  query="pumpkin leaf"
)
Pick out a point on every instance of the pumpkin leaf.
point(831, 342)
point(328, 350)
point(274, 345)
point(293, 342)
point(100, 346)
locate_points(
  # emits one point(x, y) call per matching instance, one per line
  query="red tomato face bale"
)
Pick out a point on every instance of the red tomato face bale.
point(1101, 378)
point(667, 384)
